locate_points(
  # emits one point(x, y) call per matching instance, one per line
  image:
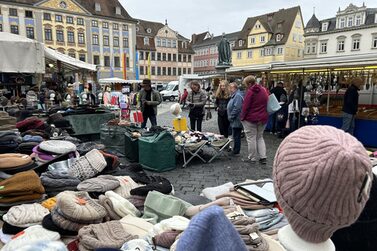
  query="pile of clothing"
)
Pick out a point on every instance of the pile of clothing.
point(12, 163)
point(7, 122)
point(50, 149)
point(32, 123)
point(9, 141)
point(28, 143)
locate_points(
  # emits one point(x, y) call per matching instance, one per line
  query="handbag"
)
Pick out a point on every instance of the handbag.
point(273, 104)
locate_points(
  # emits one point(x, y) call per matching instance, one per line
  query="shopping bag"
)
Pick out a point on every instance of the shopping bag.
point(138, 117)
point(273, 104)
point(180, 124)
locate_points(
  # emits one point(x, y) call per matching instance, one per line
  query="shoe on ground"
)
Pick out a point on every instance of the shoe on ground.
point(248, 160)
point(263, 161)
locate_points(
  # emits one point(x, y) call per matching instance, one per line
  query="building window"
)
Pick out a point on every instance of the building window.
point(60, 36)
point(106, 41)
point(179, 71)
point(115, 26)
point(250, 54)
point(239, 54)
point(97, 7)
point(141, 55)
point(323, 47)
point(125, 42)
point(358, 20)
point(252, 40)
point(47, 16)
point(342, 23)
point(184, 58)
point(58, 18)
point(158, 42)
point(350, 21)
point(280, 51)
point(158, 56)
point(298, 24)
point(107, 61)
point(294, 37)
point(13, 12)
point(168, 43)
point(48, 34)
point(28, 14)
point(158, 71)
point(153, 56)
point(169, 71)
point(184, 70)
point(153, 69)
point(179, 57)
point(141, 70)
point(189, 71)
point(169, 57)
point(96, 60)
point(81, 37)
point(163, 56)
point(174, 71)
point(257, 26)
point(118, 11)
point(314, 47)
point(240, 43)
point(262, 39)
point(356, 44)
point(69, 20)
point(125, 27)
point(80, 21)
point(146, 41)
point(189, 58)
point(94, 23)
point(116, 41)
point(72, 54)
point(174, 43)
point(374, 43)
point(278, 37)
point(174, 57)
point(117, 62)
point(105, 25)
point(82, 57)
point(95, 40)
point(163, 42)
point(268, 51)
point(163, 71)
point(70, 37)
point(14, 29)
point(324, 26)
point(30, 32)
point(340, 46)
point(261, 52)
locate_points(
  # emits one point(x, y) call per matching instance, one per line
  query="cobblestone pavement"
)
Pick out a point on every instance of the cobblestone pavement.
point(198, 175)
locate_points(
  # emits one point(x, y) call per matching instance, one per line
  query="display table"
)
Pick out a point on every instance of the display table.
point(365, 129)
point(87, 124)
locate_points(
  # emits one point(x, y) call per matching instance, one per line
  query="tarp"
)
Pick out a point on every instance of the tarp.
point(67, 61)
point(113, 81)
point(20, 54)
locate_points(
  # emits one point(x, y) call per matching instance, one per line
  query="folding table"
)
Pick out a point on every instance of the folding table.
point(218, 146)
point(193, 149)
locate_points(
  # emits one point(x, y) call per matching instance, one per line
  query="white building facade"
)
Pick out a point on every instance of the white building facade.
point(353, 31)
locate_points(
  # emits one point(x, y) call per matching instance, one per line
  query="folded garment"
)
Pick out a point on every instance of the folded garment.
point(268, 224)
point(21, 187)
point(59, 178)
point(165, 239)
point(136, 226)
point(49, 224)
point(137, 201)
point(42, 156)
point(78, 206)
point(108, 205)
point(35, 132)
point(86, 147)
point(24, 168)
point(262, 212)
point(63, 222)
point(243, 201)
point(63, 165)
point(6, 206)
point(54, 191)
point(105, 235)
point(121, 205)
point(29, 236)
point(126, 185)
point(101, 183)
point(73, 140)
point(57, 146)
point(12, 160)
point(10, 229)
point(30, 123)
point(44, 246)
point(160, 206)
point(26, 215)
point(112, 162)
point(212, 192)
point(159, 184)
point(137, 244)
point(32, 138)
point(26, 147)
point(277, 226)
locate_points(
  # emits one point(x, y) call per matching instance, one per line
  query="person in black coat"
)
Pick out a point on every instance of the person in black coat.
point(281, 96)
point(350, 105)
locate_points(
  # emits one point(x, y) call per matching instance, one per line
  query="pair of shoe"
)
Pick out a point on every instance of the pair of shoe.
point(262, 161)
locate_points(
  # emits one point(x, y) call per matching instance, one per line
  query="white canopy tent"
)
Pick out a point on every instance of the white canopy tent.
point(20, 54)
point(67, 61)
point(104, 81)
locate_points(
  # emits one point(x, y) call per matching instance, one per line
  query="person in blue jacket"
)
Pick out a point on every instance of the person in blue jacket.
point(234, 109)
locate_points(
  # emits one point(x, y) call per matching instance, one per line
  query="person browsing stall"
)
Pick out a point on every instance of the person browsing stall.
point(196, 101)
point(149, 99)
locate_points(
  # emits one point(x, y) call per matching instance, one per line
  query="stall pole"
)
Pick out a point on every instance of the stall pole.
point(300, 99)
point(328, 91)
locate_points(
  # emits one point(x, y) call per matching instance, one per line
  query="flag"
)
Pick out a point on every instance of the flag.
point(125, 65)
point(149, 66)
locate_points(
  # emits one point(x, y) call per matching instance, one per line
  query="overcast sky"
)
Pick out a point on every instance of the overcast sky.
point(217, 16)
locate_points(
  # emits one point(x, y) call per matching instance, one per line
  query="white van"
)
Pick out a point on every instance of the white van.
point(172, 91)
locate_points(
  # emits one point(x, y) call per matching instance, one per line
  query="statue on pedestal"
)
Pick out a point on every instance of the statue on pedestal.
point(225, 53)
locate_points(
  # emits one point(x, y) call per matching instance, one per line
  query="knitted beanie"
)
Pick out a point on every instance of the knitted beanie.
point(101, 183)
point(126, 185)
point(78, 206)
point(105, 235)
point(322, 178)
point(26, 215)
point(10, 229)
point(137, 244)
point(136, 226)
point(30, 235)
point(49, 224)
point(121, 205)
point(57, 146)
point(108, 205)
point(62, 222)
point(166, 239)
point(88, 166)
point(44, 246)
point(12, 160)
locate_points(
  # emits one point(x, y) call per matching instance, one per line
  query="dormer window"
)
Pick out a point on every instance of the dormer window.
point(257, 26)
point(149, 30)
point(146, 41)
point(118, 11)
point(342, 23)
point(98, 7)
point(350, 21)
point(279, 37)
point(240, 43)
point(358, 20)
point(325, 26)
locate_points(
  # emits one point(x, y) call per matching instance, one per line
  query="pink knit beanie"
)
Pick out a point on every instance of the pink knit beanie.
point(322, 178)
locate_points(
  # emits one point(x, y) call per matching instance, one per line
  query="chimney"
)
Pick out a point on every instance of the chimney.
point(193, 38)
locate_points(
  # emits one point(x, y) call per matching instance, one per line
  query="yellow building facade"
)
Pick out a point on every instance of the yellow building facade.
point(273, 37)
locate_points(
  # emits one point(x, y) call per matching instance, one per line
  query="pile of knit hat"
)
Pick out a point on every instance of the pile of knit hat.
point(9, 141)
point(50, 149)
point(12, 163)
point(30, 124)
point(28, 143)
